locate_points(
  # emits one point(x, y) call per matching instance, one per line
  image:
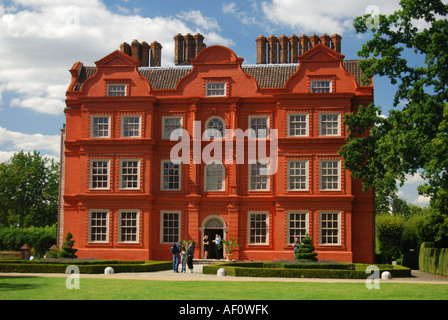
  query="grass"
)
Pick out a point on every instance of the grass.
point(32, 288)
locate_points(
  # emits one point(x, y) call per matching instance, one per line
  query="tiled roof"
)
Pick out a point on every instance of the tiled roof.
point(266, 75)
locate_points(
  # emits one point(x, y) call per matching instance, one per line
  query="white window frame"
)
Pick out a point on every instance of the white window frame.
point(91, 211)
point(162, 228)
point(316, 86)
point(121, 227)
point(254, 133)
point(249, 228)
point(209, 131)
point(123, 128)
point(289, 178)
point(162, 176)
point(214, 89)
point(121, 187)
point(223, 178)
point(267, 176)
point(92, 127)
point(114, 90)
point(339, 172)
point(322, 132)
point(322, 227)
point(306, 228)
point(163, 125)
point(307, 125)
point(91, 187)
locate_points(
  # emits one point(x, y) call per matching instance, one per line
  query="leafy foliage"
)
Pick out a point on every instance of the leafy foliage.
point(382, 150)
point(67, 247)
point(305, 252)
point(29, 187)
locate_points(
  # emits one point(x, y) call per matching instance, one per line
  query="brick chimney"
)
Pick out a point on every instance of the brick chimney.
point(272, 48)
point(314, 40)
point(144, 54)
point(156, 54)
point(303, 44)
point(293, 48)
point(325, 40)
point(261, 49)
point(336, 42)
point(187, 47)
point(126, 48)
point(283, 49)
point(135, 50)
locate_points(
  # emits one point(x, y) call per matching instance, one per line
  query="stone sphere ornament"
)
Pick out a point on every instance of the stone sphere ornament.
point(109, 270)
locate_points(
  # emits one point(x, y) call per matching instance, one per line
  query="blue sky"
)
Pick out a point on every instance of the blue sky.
point(41, 39)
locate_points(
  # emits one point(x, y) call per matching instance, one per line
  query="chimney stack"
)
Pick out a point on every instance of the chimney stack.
point(187, 47)
point(293, 48)
point(287, 50)
point(336, 42)
point(272, 48)
point(156, 54)
point(261, 49)
point(148, 55)
point(283, 49)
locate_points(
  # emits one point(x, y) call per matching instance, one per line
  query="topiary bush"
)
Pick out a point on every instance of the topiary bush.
point(305, 252)
point(67, 247)
point(389, 231)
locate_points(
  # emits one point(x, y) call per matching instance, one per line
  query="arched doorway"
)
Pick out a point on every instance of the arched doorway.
point(211, 226)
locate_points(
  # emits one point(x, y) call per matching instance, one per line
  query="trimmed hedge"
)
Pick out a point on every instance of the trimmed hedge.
point(294, 270)
point(85, 267)
point(433, 260)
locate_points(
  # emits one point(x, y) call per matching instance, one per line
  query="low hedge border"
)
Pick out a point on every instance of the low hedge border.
point(85, 267)
point(285, 270)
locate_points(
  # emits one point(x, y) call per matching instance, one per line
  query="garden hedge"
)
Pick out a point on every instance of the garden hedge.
point(433, 260)
point(85, 267)
point(294, 270)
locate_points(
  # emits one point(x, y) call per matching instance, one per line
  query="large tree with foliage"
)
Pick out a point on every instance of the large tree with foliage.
point(29, 186)
point(381, 151)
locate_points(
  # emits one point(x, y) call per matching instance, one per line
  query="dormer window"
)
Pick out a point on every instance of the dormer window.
point(116, 90)
point(321, 86)
point(215, 89)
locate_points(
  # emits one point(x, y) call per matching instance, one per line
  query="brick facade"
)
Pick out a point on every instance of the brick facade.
point(124, 200)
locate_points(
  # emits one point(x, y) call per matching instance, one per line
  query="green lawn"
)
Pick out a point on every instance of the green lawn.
point(30, 288)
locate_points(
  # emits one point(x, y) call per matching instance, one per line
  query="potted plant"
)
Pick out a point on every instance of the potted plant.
point(229, 245)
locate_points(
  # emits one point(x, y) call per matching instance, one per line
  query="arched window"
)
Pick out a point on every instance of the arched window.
point(213, 126)
point(214, 177)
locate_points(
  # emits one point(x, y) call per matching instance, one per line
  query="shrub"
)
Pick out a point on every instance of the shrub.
point(39, 238)
point(305, 252)
point(67, 247)
point(389, 232)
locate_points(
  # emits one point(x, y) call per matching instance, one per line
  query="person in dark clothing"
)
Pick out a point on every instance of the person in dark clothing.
point(190, 254)
point(176, 248)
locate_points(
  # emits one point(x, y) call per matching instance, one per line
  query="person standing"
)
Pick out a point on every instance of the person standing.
point(296, 246)
point(217, 242)
point(176, 248)
point(183, 259)
point(190, 254)
point(206, 246)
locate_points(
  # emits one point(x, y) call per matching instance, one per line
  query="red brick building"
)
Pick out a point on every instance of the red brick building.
point(122, 196)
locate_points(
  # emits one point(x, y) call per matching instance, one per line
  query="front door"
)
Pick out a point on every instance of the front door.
point(212, 247)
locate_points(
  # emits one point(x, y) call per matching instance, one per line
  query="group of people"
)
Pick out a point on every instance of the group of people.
point(185, 256)
point(182, 255)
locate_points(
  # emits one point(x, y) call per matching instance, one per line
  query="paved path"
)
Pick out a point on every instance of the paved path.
point(197, 275)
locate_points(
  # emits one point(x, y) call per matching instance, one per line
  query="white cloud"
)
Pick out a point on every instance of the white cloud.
point(323, 16)
point(414, 179)
point(14, 141)
point(41, 40)
point(422, 200)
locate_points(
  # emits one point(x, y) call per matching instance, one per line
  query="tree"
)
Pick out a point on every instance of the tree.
point(29, 187)
point(67, 247)
point(381, 151)
point(305, 252)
